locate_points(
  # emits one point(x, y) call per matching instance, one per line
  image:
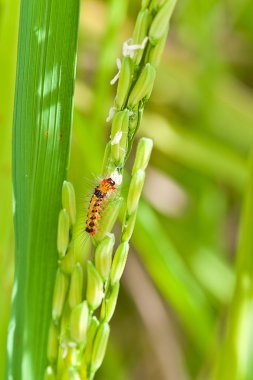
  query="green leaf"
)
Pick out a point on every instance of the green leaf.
point(172, 277)
point(41, 138)
point(236, 360)
point(9, 15)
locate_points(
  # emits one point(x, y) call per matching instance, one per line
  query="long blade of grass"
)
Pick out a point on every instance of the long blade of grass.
point(236, 361)
point(8, 52)
point(172, 277)
point(41, 136)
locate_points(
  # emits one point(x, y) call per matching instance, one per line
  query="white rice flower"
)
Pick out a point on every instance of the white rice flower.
point(129, 48)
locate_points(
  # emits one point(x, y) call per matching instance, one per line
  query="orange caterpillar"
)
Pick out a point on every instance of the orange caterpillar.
point(96, 205)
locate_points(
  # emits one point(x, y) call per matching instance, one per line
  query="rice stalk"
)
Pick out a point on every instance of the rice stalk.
point(82, 343)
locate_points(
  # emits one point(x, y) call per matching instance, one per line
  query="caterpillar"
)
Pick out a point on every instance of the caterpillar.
point(97, 202)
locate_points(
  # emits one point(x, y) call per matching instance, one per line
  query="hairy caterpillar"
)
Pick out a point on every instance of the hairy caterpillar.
point(97, 202)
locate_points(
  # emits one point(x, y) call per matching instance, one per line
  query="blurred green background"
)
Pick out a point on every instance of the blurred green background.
point(176, 292)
